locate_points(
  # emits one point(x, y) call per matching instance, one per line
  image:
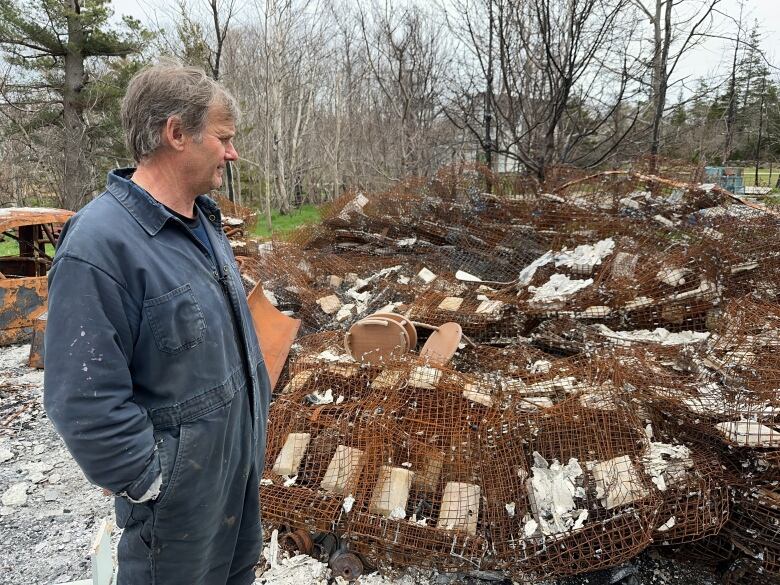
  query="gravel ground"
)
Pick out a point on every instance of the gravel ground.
point(49, 512)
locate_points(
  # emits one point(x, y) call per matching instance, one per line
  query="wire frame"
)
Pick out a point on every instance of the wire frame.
point(622, 352)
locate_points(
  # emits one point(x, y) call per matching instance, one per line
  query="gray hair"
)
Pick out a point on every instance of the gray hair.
point(164, 90)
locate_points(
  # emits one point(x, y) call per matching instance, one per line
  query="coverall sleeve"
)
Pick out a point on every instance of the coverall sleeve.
point(88, 390)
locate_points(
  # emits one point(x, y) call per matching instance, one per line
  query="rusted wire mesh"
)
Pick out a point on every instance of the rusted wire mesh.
point(617, 386)
point(236, 218)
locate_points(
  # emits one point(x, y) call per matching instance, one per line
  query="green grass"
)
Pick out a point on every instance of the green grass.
point(749, 176)
point(10, 247)
point(284, 224)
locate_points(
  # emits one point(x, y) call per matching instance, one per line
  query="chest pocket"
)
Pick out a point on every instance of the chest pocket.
point(176, 320)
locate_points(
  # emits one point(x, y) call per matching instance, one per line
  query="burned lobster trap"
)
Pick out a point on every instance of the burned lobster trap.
point(612, 383)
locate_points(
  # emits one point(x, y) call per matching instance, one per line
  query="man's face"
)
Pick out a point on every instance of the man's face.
point(207, 157)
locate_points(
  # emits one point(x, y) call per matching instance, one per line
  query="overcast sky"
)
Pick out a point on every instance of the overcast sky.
point(710, 58)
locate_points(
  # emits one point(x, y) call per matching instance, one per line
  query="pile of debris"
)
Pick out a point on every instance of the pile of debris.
point(617, 384)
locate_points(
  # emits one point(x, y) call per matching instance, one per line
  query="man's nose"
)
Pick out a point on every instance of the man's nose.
point(230, 152)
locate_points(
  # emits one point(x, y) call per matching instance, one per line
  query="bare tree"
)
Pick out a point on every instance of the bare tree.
point(673, 37)
point(563, 70)
point(406, 54)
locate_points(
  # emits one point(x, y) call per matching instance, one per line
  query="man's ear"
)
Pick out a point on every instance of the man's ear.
point(174, 134)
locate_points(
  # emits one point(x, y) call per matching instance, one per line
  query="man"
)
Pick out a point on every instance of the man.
point(154, 376)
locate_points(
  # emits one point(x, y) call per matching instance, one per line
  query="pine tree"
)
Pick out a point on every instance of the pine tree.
point(59, 49)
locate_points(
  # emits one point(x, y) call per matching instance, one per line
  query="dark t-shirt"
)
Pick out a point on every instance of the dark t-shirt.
point(196, 227)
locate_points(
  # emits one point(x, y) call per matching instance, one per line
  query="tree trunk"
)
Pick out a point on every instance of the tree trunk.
point(76, 176)
point(732, 110)
point(337, 140)
point(660, 77)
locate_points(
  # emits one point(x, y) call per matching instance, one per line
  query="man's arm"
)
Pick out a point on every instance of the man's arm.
point(88, 392)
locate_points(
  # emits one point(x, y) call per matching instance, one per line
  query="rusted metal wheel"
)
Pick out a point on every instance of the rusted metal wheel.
point(297, 540)
point(346, 565)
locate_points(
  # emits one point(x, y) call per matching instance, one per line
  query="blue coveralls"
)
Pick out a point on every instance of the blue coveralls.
point(152, 366)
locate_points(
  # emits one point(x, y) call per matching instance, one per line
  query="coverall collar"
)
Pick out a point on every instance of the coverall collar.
point(147, 211)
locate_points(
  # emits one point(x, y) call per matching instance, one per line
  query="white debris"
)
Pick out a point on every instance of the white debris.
point(583, 259)
point(271, 297)
point(639, 303)
point(663, 221)
point(15, 356)
point(667, 525)
point(361, 298)
point(426, 276)
point(273, 549)
point(658, 335)
point(552, 489)
point(710, 400)
point(331, 356)
point(510, 509)
point(319, 398)
point(355, 206)
point(410, 576)
point(580, 521)
point(628, 202)
point(305, 267)
point(297, 570)
point(540, 367)
point(567, 384)
point(533, 403)
point(749, 433)
point(712, 233)
point(490, 307)
point(424, 377)
point(463, 275)
point(558, 288)
point(706, 287)
point(593, 312)
point(673, 276)
point(406, 243)
point(478, 393)
point(345, 312)
point(624, 265)
point(347, 504)
point(5, 455)
point(232, 221)
point(617, 482)
point(290, 481)
point(398, 513)
point(530, 526)
point(667, 464)
point(329, 304)
point(16, 495)
point(527, 273)
point(744, 267)
point(450, 304)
